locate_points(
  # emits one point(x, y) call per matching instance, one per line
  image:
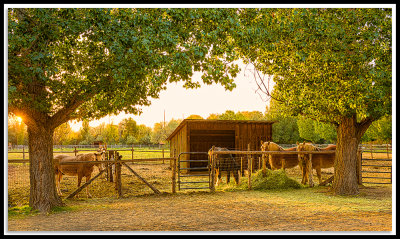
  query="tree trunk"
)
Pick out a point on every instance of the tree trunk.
point(43, 193)
point(349, 134)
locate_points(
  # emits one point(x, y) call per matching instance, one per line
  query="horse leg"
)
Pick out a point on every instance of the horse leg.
point(236, 176)
point(87, 187)
point(79, 183)
point(304, 173)
point(218, 175)
point(58, 180)
point(318, 169)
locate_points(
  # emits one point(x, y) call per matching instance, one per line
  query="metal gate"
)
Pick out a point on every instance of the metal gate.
point(188, 180)
point(377, 169)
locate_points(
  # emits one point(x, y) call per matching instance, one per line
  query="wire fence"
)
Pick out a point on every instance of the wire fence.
point(155, 171)
point(376, 169)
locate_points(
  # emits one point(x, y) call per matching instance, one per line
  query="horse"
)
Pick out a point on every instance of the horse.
point(226, 162)
point(80, 170)
point(278, 161)
point(318, 160)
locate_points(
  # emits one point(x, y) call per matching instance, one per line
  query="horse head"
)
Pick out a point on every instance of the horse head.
point(100, 156)
point(305, 147)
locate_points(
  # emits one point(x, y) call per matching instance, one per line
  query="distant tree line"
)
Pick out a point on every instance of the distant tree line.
point(286, 130)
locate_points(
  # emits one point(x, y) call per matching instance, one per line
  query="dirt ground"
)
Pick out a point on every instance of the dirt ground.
point(302, 210)
point(245, 211)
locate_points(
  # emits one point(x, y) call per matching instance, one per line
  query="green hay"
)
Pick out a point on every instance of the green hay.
point(273, 180)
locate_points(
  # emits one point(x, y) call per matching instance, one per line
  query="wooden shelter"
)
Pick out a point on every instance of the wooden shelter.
point(199, 135)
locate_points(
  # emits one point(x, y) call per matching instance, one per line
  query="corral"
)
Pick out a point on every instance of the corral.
point(140, 209)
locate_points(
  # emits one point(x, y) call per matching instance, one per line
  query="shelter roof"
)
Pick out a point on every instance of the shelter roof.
point(185, 121)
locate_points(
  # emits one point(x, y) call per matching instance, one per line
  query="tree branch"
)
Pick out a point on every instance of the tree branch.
point(364, 125)
point(64, 114)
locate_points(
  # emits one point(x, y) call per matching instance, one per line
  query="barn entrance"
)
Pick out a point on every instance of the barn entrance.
point(203, 140)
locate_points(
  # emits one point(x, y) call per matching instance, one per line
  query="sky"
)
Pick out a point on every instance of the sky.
point(180, 103)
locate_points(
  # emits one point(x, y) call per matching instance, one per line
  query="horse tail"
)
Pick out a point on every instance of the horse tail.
point(235, 168)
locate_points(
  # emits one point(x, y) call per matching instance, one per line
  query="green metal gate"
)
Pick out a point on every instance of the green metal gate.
point(192, 179)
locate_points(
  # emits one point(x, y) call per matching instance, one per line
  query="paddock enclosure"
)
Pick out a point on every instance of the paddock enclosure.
point(140, 172)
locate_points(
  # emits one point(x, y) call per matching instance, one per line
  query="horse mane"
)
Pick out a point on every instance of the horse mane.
point(271, 146)
point(308, 147)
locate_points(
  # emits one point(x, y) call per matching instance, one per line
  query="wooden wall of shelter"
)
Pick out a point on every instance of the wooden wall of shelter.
point(196, 135)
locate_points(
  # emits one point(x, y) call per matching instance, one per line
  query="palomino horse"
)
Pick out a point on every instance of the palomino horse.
point(318, 160)
point(81, 170)
point(278, 161)
point(226, 162)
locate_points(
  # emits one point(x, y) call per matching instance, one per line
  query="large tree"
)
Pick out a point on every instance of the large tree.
point(75, 64)
point(331, 65)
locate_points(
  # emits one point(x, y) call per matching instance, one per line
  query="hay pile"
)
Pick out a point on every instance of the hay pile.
point(274, 179)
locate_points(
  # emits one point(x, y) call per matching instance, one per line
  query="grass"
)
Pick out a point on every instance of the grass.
point(21, 212)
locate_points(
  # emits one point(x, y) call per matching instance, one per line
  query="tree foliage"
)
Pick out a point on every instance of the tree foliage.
point(326, 63)
point(331, 65)
point(76, 63)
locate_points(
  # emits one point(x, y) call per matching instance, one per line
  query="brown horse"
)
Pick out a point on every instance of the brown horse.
point(318, 160)
point(80, 170)
point(278, 161)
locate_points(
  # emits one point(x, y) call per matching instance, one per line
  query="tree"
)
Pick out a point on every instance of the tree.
point(85, 136)
point(194, 117)
point(380, 131)
point(331, 65)
point(285, 129)
point(231, 115)
point(253, 115)
point(17, 134)
point(325, 131)
point(144, 134)
point(110, 134)
point(61, 134)
point(128, 127)
point(74, 64)
point(307, 130)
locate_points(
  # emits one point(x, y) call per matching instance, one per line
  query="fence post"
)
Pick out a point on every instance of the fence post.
point(173, 167)
point(110, 165)
point(249, 166)
point(163, 156)
point(132, 152)
point(118, 183)
point(212, 161)
point(23, 153)
point(241, 166)
point(264, 164)
point(75, 151)
point(309, 170)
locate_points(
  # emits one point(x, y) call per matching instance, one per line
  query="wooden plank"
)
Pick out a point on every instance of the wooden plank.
point(143, 180)
point(84, 185)
point(329, 180)
point(174, 175)
point(275, 152)
point(118, 181)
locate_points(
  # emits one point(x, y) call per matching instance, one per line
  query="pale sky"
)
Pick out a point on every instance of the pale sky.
point(180, 103)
